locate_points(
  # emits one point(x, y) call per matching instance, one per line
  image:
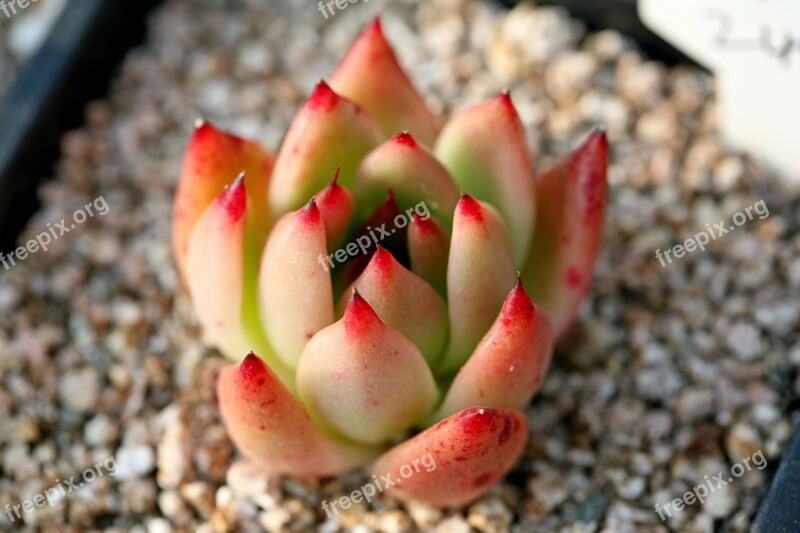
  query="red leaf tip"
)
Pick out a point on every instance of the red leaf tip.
point(518, 303)
point(382, 260)
point(375, 28)
point(234, 198)
point(252, 367)
point(469, 207)
point(310, 214)
point(335, 181)
point(597, 140)
point(322, 98)
point(506, 105)
point(204, 128)
point(359, 315)
point(405, 139)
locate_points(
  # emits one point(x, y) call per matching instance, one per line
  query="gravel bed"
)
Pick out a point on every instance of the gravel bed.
point(671, 374)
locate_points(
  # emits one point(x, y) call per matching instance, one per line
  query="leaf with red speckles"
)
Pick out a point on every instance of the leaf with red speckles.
point(213, 159)
point(480, 272)
point(483, 147)
point(572, 198)
point(457, 459)
point(294, 284)
point(509, 363)
point(329, 132)
point(400, 298)
point(270, 426)
point(420, 182)
point(364, 379)
point(371, 76)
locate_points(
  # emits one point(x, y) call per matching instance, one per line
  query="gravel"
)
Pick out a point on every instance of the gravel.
point(670, 374)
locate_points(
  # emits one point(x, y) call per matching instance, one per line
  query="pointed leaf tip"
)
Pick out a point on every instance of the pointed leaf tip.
point(371, 75)
point(405, 139)
point(598, 140)
point(322, 98)
point(336, 205)
point(359, 315)
point(375, 27)
point(234, 198)
point(382, 258)
point(252, 366)
point(310, 213)
point(469, 207)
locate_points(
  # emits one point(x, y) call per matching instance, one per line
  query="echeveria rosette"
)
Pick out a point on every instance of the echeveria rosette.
point(434, 327)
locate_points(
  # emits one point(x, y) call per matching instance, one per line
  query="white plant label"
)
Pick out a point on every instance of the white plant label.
point(753, 47)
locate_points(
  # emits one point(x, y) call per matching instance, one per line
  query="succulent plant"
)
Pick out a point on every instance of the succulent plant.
point(376, 267)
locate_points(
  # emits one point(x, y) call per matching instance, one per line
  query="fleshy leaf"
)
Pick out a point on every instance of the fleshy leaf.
point(428, 248)
point(409, 169)
point(217, 279)
point(456, 460)
point(215, 269)
point(363, 378)
point(329, 132)
point(483, 147)
point(399, 298)
point(480, 272)
point(509, 363)
point(294, 285)
point(572, 199)
point(213, 160)
point(336, 205)
point(269, 425)
point(371, 76)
